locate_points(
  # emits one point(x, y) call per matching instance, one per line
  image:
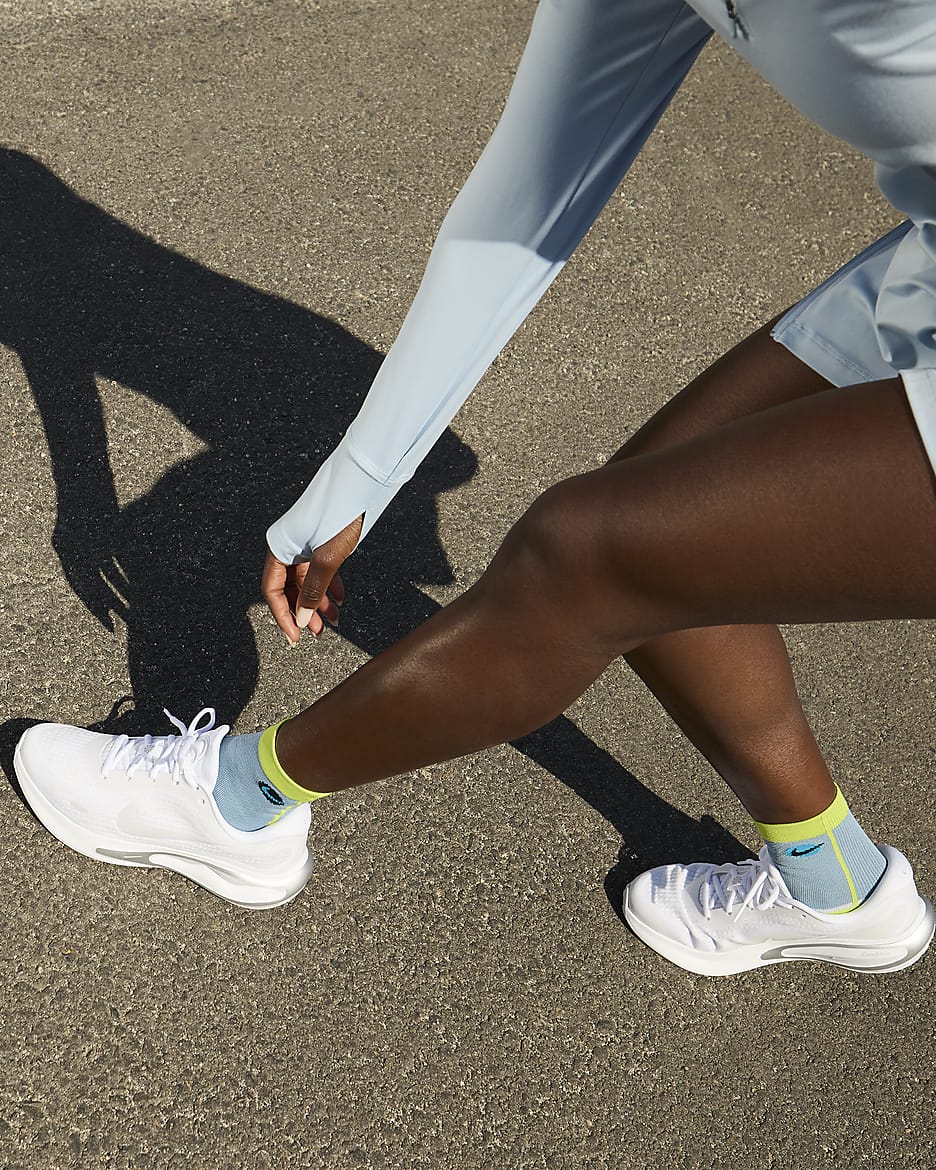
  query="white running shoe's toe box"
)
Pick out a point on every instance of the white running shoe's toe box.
point(656, 901)
point(61, 765)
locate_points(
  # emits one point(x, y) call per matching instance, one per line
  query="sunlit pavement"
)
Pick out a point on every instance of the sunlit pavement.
point(214, 215)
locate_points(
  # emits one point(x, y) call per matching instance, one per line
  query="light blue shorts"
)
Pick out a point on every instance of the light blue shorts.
point(833, 331)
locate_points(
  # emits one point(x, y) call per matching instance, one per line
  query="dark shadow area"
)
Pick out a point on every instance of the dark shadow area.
point(652, 831)
point(269, 388)
point(10, 734)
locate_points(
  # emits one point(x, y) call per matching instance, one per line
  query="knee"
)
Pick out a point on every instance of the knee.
point(589, 546)
point(558, 542)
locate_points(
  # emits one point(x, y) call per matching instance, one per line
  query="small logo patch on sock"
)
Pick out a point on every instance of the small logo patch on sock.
point(270, 793)
point(805, 852)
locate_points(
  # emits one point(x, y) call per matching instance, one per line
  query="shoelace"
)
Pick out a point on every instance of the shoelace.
point(747, 884)
point(174, 753)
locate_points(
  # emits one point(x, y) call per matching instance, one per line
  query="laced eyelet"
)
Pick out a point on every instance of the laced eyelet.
point(172, 757)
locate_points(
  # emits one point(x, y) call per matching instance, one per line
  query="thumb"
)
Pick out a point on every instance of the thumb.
point(324, 564)
point(313, 591)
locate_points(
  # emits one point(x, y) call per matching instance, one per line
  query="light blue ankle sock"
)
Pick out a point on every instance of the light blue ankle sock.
point(827, 862)
point(245, 795)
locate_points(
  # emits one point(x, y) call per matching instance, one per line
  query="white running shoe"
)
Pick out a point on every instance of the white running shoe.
point(722, 919)
point(148, 802)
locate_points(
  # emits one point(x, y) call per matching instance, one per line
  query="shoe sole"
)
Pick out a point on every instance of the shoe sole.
point(223, 883)
point(866, 958)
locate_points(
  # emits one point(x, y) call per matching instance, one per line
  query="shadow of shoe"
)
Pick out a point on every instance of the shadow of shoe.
point(11, 732)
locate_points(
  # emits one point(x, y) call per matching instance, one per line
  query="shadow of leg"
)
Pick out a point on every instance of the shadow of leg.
point(652, 830)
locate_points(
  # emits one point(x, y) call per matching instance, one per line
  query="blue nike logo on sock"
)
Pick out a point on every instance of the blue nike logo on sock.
point(805, 852)
point(271, 793)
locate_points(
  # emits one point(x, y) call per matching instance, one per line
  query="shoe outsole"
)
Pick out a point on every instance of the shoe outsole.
point(883, 958)
point(228, 886)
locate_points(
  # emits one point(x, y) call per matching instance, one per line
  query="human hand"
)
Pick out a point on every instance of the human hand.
point(301, 596)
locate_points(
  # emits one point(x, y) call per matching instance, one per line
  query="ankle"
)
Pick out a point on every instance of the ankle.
point(827, 861)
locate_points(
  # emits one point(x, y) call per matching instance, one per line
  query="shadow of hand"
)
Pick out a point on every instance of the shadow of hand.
point(88, 556)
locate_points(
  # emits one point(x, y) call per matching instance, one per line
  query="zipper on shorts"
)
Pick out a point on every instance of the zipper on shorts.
point(737, 24)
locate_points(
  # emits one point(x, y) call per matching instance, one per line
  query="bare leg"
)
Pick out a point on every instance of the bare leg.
point(730, 689)
point(820, 509)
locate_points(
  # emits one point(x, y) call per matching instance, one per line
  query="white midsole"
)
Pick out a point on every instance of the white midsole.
point(868, 956)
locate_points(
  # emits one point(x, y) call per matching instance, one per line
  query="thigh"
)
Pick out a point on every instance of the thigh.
point(821, 509)
point(755, 375)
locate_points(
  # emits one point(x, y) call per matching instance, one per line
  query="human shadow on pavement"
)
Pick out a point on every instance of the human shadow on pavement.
point(268, 388)
point(652, 831)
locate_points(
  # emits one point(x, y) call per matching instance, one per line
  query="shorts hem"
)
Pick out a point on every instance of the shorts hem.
point(820, 354)
point(920, 388)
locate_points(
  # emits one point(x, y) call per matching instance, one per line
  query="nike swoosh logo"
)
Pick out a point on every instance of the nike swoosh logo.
point(119, 855)
point(164, 859)
point(877, 958)
point(806, 852)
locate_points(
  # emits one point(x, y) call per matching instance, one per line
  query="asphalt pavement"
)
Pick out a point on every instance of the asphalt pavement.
point(213, 215)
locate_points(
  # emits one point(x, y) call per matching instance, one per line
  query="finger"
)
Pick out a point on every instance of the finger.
point(337, 590)
point(323, 569)
point(295, 578)
point(313, 595)
point(329, 610)
point(308, 619)
point(329, 605)
point(273, 588)
point(282, 614)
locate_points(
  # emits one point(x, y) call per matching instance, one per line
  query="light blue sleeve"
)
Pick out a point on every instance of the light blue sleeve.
point(594, 79)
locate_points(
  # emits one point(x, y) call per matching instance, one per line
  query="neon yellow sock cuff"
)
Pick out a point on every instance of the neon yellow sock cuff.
point(820, 825)
point(273, 769)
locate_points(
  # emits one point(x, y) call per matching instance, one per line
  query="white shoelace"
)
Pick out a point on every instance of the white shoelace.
point(748, 884)
point(174, 753)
